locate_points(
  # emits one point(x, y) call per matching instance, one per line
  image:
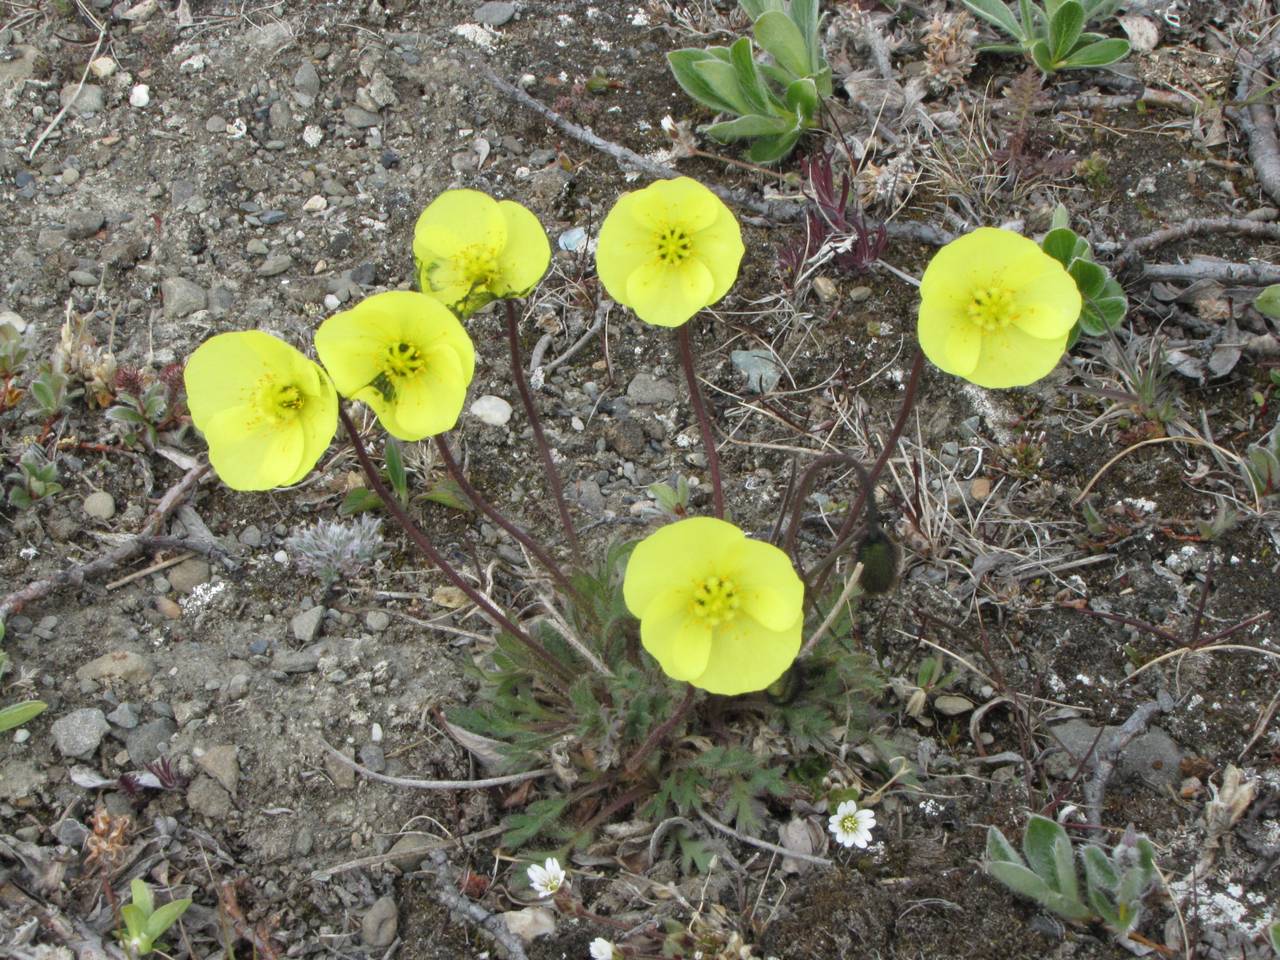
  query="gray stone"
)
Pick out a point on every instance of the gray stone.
point(81, 224)
point(182, 297)
point(117, 665)
point(71, 833)
point(495, 13)
point(251, 536)
point(99, 505)
point(306, 83)
point(377, 620)
point(20, 779)
point(206, 797)
point(371, 756)
point(82, 278)
point(410, 850)
point(306, 625)
point(360, 119)
point(125, 715)
point(223, 764)
point(1153, 758)
point(295, 661)
point(189, 574)
point(645, 388)
point(304, 841)
point(144, 743)
point(215, 125)
point(379, 924)
point(79, 732)
point(343, 777)
point(273, 266)
point(238, 686)
point(89, 99)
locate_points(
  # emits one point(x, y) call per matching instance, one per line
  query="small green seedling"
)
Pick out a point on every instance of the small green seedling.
point(35, 479)
point(145, 923)
point(1273, 937)
point(139, 417)
point(1267, 302)
point(773, 101)
point(1104, 303)
point(673, 500)
point(1262, 463)
point(17, 714)
point(1115, 884)
point(1052, 34)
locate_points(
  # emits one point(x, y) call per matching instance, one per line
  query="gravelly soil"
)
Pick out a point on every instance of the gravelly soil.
point(274, 173)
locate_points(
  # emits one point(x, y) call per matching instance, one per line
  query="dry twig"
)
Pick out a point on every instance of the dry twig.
point(416, 784)
point(76, 575)
point(446, 884)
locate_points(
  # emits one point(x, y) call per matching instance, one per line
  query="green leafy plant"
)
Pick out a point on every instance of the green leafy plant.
point(1268, 302)
point(672, 500)
point(1104, 303)
point(49, 389)
point(140, 416)
point(145, 923)
point(1053, 34)
point(1115, 883)
point(1273, 936)
point(1262, 463)
point(16, 714)
point(773, 101)
point(35, 479)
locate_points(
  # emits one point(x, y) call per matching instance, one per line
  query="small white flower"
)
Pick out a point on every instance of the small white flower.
point(547, 879)
point(602, 949)
point(850, 826)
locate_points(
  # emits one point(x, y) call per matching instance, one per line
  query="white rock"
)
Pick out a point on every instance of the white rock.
point(312, 135)
point(140, 95)
point(12, 319)
point(492, 410)
point(530, 923)
point(331, 302)
point(103, 67)
point(315, 204)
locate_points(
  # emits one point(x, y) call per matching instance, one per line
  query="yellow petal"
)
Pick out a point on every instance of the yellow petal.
point(720, 248)
point(431, 402)
point(682, 202)
point(964, 344)
point(1048, 303)
point(225, 371)
point(624, 246)
point(250, 453)
point(747, 656)
point(770, 591)
point(679, 642)
point(667, 295)
point(988, 256)
point(353, 344)
point(1012, 358)
point(527, 253)
point(676, 558)
point(936, 324)
point(458, 219)
point(318, 420)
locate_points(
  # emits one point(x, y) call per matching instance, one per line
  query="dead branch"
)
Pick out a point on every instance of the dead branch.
point(78, 574)
point(446, 883)
point(415, 784)
point(1259, 122)
point(776, 211)
point(1109, 750)
point(1224, 271)
point(1247, 226)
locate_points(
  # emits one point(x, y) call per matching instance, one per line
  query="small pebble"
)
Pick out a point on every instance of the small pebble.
point(99, 505)
point(169, 609)
point(492, 410)
point(140, 96)
point(315, 204)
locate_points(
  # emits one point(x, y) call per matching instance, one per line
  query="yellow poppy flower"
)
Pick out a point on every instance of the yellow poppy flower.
point(995, 309)
point(471, 249)
point(669, 250)
point(404, 355)
point(716, 609)
point(266, 411)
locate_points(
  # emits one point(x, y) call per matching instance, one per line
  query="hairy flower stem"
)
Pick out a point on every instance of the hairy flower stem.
point(661, 731)
point(704, 422)
point(423, 543)
point(823, 568)
point(490, 511)
point(544, 449)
